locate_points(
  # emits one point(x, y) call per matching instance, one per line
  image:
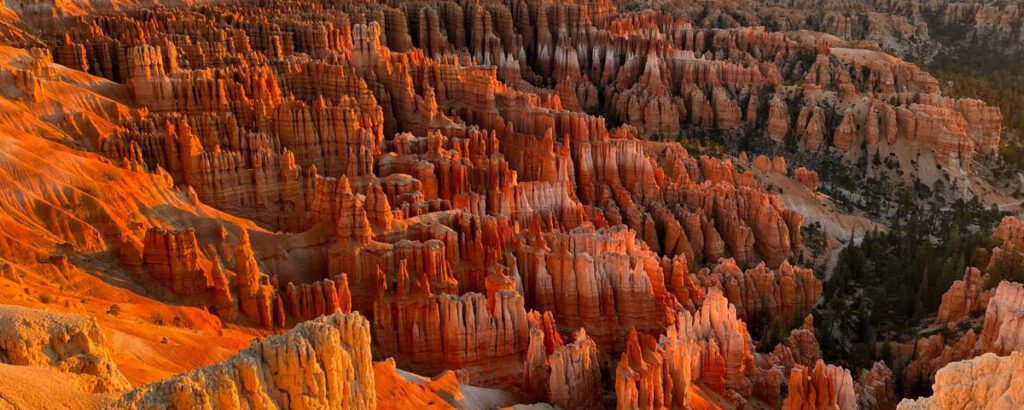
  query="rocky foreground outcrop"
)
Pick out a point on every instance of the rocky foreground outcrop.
point(987, 381)
point(69, 343)
point(323, 363)
point(1003, 329)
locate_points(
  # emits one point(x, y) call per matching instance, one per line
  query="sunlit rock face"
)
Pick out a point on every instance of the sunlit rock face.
point(324, 363)
point(984, 381)
point(297, 204)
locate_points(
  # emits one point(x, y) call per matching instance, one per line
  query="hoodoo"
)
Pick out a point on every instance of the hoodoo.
point(485, 204)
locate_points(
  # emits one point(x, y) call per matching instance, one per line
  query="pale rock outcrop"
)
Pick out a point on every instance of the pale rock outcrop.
point(66, 342)
point(320, 364)
point(1011, 232)
point(810, 128)
point(1003, 329)
point(987, 381)
point(779, 165)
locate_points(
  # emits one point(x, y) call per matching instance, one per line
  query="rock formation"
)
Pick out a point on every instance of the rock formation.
point(763, 295)
point(1000, 327)
point(1002, 331)
point(824, 387)
point(711, 348)
point(874, 387)
point(69, 343)
point(324, 363)
point(428, 332)
point(172, 259)
point(480, 180)
point(964, 297)
point(986, 381)
point(566, 375)
point(257, 298)
point(806, 178)
point(604, 281)
point(308, 301)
